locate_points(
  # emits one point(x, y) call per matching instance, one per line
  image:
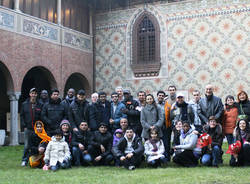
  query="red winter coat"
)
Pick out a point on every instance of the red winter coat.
point(229, 120)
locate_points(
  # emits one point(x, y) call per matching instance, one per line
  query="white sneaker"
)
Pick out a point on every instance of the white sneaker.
point(131, 167)
point(24, 163)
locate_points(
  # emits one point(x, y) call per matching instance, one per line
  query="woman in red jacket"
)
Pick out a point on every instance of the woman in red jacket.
point(229, 119)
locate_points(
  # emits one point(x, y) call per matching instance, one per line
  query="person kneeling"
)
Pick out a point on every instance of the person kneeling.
point(154, 149)
point(186, 154)
point(129, 150)
point(57, 154)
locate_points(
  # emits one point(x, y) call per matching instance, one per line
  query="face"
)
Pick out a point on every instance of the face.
point(141, 97)
point(102, 98)
point(114, 98)
point(65, 128)
point(160, 97)
point(153, 135)
point(230, 101)
point(149, 100)
point(119, 135)
point(129, 134)
point(58, 137)
point(44, 95)
point(178, 125)
point(242, 125)
point(126, 96)
point(196, 96)
point(209, 90)
point(212, 123)
point(94, 98)
point(71, 93)
point(242, 96)
point(186, 127)
point(83, 126)
point(124, 123)
point(180, 99)
point(172, 91)
point(81, 97)
point(119, 91)
point(55, 96)
point(103, 129)
point(39, 128)
point(33, 95)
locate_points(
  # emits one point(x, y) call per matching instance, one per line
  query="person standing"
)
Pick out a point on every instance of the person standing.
point(69, 98)
point(172, 95)
point(30, 112)
point(103, 109)
point(243, 105)
point(44, 97)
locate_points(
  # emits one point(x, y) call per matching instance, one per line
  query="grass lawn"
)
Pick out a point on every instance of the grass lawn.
point(12, 172)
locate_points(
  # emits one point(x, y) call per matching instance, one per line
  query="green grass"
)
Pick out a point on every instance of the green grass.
point(12, 172)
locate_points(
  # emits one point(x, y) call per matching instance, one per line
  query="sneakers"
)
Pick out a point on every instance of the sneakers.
point(131, 167)
point(24, 163)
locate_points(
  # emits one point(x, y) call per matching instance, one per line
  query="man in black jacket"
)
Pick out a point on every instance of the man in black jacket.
point(103, 109)
point(82, 145)
point(209, 106)
point(102, 144)
point(132, 112)
point(53, 113)
point(69, 98)
point(78, 110)
point(129, 150)
point(30, 112)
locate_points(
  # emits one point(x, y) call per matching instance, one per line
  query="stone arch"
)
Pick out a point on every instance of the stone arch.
point(38, 77)
point(153, 11)
point(77, 81)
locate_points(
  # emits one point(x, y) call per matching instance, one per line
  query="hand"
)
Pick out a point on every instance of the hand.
point(81, 146)
point(152, 127)
point(129, 155)
point(111, 121)
point(85, 152)
point(41, 150)
point(154, 153)
point(125, 111)
point(25, 129)
point(195, 132)
point(75, 129)
point(102, 148)
point(97, 159)
point(122, 158)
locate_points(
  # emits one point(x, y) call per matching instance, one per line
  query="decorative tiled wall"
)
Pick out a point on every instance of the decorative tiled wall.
point(206, 41)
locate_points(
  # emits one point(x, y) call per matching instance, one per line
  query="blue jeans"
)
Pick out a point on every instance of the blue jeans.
point(230, 138)
point(80, 157)
point(167, 141)
point(208, 159)
point(26, 153)
point(158, 162)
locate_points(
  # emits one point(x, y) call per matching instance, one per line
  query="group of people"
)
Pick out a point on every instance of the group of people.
point(126, 131)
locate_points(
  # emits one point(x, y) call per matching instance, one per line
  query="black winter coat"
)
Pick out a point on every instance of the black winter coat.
point(66, 103)
point(78, 113)
point(35, 143)
point(82, 137)
point(183, 112)
point(28, 118)
point(52, 114)
point(102, 139)
point(215, 133)
point(244, 108)
point(210, 107)
point(93, 117)
point(103, 113)
point(119, 149)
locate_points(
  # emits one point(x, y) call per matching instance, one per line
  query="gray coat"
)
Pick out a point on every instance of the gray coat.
point(151, 115)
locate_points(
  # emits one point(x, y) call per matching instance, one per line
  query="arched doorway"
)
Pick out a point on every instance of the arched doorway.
point(77, 81)
point(38, 77)
point(5, 87)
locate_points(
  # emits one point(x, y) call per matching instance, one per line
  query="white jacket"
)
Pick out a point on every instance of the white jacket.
point(149, 153)
point(57, 151)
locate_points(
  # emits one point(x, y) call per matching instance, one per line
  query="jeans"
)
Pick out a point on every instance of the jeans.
point(80, 157)
point(27, 134)
point(105, 160)
point(167, 141)
point(208, 159)
point(230, 138)
point(158, 162)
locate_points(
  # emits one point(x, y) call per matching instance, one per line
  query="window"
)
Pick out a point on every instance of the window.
point(146, 47)
point(7, 3)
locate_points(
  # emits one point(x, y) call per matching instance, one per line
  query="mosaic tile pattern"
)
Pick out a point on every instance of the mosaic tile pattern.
point(77, 41)
point(211, 48)
point(6, 20)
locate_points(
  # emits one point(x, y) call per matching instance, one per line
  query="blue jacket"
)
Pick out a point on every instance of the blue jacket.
point(117, 115)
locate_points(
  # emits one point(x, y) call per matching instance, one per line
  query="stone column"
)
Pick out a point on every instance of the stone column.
point(59, 11)
point(16, 5)
point(91, 22)
point(14, 96)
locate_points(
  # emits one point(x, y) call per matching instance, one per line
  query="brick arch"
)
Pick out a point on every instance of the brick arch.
point(6, 72)
point(82, 83)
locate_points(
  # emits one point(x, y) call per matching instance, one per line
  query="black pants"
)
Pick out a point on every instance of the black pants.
point(133, 161)
point(186, 159)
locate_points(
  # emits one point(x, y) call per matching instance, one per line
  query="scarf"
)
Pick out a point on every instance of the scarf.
point(243, 135)
point(43, 135)
point(153, 142)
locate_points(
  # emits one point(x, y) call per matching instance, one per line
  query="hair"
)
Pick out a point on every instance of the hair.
point(212, 118)
point(94, 94)
point(172, 86)
point(114, 93)
point(58, 132)
point(161, 92)
point(39, 123)
point(226, 105)
point(130, 128)
point(238, 131)
point(156, 130)
point(240, 94)
point(101, 93)
point(118, 87)
point(54, 91)
point(196, 91)
point(141, 92)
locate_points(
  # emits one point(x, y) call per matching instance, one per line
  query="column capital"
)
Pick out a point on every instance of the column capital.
point(14, 96)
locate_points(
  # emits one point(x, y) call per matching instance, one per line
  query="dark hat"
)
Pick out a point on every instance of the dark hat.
point(33, 90)
point(65, 121)
point(119, 131)
point(126, 91)
point(102, 124)
point(81, 92)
